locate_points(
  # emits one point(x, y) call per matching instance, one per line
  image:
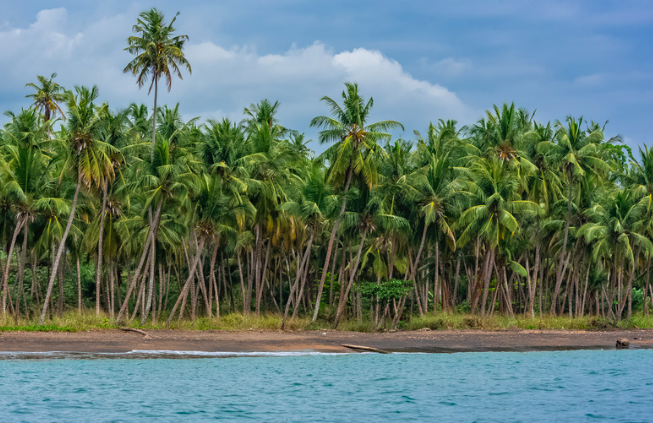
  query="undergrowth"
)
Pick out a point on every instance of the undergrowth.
point(74, 322)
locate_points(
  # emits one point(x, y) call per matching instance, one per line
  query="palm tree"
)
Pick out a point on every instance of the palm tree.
point(158, 54)
point(84, 153)
point(355, 151)
point(47, 97)
point(438, 191)
point(24, 176)
point(614, 231)
point(578, 152)
point(495, 206)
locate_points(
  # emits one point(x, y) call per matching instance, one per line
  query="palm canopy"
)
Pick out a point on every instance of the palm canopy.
point(355, 140)
point(158, 51)
point(48, 96)
point(495, 204)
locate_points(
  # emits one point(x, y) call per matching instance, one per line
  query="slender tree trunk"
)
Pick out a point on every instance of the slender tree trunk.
point(264, 272)
point(332, 238)
point(62, 246)
point(156, 95)
point(298, 276)
point(212, 281)
point(79, 286)
point(454, 299)
point(352, 275)
point(5, 277)
point(559, 272)
point(149, 241)
point(191, 274)
point(100, 246)
point(487, 275)
point(21, 267)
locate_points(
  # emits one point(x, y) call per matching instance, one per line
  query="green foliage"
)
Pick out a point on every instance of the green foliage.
point(393, 289)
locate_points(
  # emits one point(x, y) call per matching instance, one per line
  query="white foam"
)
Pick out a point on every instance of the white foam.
point(165, 353)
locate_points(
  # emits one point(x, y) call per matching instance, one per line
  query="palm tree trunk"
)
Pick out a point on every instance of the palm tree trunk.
point(298, 276)
point(79, 286)
point(264, 271)
point(21, 267)
point(536, 267)
point(352, 274)
point(156, 95)
point(191, 275)
point(559, 272)
point(487, 275)
point(61, 249)
point(98, 271)
point(212, 281)
point(5, 276)
point(149, 241)
point(455, 286)
point(419, 254)
point(332, 238)
point(150, 285)
point(436, 279)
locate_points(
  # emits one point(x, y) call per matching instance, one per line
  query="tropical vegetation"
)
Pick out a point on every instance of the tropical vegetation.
point(139, 215)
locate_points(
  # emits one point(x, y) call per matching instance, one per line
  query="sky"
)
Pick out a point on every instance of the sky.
point(420, 60)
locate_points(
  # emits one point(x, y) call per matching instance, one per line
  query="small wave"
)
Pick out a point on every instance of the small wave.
point(14, 355)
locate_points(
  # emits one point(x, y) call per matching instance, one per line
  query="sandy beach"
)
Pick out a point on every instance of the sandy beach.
point(115, 341)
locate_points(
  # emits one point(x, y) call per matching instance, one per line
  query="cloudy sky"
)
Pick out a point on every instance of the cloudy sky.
point(420, 60)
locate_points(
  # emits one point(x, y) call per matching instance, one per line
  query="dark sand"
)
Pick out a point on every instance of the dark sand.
point(115, 341)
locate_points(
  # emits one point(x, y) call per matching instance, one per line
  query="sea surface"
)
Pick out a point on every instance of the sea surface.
point(584, 385)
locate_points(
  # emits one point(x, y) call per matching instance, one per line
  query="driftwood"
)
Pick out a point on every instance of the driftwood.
point(126, 329)
point(364, 348)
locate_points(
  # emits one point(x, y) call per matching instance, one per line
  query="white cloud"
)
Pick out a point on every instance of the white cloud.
point(224, 80)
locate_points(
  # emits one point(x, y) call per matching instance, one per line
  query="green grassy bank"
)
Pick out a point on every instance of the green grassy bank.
point(73, 322)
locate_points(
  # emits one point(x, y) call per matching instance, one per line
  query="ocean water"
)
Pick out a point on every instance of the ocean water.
point(584, 385)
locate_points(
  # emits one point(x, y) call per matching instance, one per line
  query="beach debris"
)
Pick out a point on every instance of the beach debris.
point(623, 343)
point(323, 333)
point(140, 332)
point(364, 348)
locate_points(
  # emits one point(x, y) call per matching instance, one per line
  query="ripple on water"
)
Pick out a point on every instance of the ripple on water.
point(314, 387)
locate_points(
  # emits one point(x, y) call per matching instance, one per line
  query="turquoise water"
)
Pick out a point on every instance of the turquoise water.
point(505, 386)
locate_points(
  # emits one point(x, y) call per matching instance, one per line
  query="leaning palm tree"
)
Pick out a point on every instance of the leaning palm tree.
point(492, 216)
point(356, 151)
point(23, 175)
point(158, 54)
point(47, 97)
point(578, 152)
point(615, 232)
point(84, 154)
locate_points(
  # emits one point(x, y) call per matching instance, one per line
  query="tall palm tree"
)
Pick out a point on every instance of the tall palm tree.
point(614, 231)
point(158, 54)
point(24, 176)
point(578, 152)
point(48, 96)
point(355, 151)
point(84, 154)
point(492, 216)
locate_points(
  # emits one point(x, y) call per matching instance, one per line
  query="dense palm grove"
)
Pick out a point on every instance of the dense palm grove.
point(139, 214)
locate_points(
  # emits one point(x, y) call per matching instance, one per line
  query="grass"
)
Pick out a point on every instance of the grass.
point(73, 322)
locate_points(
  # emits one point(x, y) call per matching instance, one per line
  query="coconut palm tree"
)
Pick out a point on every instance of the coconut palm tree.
point(355, 151)
point(615, 231)
point(85, 155)
point(159, 53)
point(492, 216)
point(578, 152)
point(48, 96)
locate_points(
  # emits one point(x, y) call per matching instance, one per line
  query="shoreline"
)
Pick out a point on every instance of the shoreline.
point(325, 341)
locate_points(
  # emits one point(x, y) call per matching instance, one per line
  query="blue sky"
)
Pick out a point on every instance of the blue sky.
point(421, 61)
